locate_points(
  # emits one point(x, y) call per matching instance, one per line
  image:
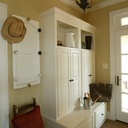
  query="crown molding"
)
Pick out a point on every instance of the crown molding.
point(72, 4)
point(94, 7)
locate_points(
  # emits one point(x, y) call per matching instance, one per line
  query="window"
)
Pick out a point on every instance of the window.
point(124, 21)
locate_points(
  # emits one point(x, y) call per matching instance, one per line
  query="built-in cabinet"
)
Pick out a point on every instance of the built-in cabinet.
point(63, 64)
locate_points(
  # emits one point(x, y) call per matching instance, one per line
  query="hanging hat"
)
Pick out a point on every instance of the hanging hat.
point(13, 30)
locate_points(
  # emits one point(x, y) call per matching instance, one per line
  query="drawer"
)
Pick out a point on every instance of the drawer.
point(100, 115)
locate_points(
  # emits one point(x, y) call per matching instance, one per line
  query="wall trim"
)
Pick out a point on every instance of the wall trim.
point(104, 4)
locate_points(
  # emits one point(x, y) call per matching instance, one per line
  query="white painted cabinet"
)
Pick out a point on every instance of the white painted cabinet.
point(69, 79)
point(88, 69)
point(61, 65)
point(81, 118)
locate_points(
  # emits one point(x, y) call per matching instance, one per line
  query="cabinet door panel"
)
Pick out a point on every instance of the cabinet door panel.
point(64, 98)
point(76, 76)
point(64, 62)
point(88, 69)
point(75, 94)
point(75, 64)
point(63, 81)
point(85, 72)
point(91, 67)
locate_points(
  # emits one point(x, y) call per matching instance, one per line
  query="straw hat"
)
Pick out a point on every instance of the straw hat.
point(13, 30)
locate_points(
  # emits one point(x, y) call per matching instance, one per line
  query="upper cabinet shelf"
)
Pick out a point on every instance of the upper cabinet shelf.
point(67, 35)
point(66, 30)
point(87, 40)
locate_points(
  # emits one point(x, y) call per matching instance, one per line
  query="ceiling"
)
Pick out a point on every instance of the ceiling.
point(96, 4)
point(93, 1)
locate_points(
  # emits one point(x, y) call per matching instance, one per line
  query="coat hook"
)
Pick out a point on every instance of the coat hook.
point(28, 19)
point(39, 29)
point(29, 85)
point(39, 52)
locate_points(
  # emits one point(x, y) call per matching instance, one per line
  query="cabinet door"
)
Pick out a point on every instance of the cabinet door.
point(88, 70)
point(91, 60)
point(69, 79)
point(75, 77)
point(63, 81)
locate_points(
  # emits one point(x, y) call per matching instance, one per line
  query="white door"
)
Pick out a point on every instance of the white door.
point(122, 75)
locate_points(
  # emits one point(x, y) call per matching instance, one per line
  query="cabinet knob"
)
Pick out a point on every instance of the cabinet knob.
point(102, 114)
point(71, 80)
point(29, 85)
point(90, 75)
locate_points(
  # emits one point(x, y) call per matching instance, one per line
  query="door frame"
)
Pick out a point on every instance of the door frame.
point(113, 27)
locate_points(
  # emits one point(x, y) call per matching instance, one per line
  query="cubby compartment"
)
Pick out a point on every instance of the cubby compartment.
point(86, 40)
point(67, 35)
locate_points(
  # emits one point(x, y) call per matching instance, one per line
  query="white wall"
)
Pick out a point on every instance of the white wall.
point(3, 72)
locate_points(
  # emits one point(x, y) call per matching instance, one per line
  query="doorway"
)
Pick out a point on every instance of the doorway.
point(122, 75)
point(119, 64)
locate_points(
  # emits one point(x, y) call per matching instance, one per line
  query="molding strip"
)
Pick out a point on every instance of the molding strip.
point(104, 4)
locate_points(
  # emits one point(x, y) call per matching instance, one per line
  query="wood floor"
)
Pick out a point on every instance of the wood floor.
point(114, 124)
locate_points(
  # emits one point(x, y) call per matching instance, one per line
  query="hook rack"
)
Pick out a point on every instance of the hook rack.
point(28, 19)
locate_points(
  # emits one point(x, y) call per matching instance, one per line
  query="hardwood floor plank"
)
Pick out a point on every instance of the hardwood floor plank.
point(114, 124)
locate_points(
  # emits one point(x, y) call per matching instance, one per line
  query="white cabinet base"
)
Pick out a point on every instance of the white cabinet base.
point(80, 118)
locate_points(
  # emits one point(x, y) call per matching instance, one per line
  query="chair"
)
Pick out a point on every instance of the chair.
point(27, 116)
point(23, 108)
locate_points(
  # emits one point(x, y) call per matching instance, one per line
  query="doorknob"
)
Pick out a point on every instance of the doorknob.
point(117, 80)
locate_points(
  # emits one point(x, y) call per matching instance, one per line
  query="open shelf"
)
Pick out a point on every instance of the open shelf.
point(62, 30)
point(86, 40)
